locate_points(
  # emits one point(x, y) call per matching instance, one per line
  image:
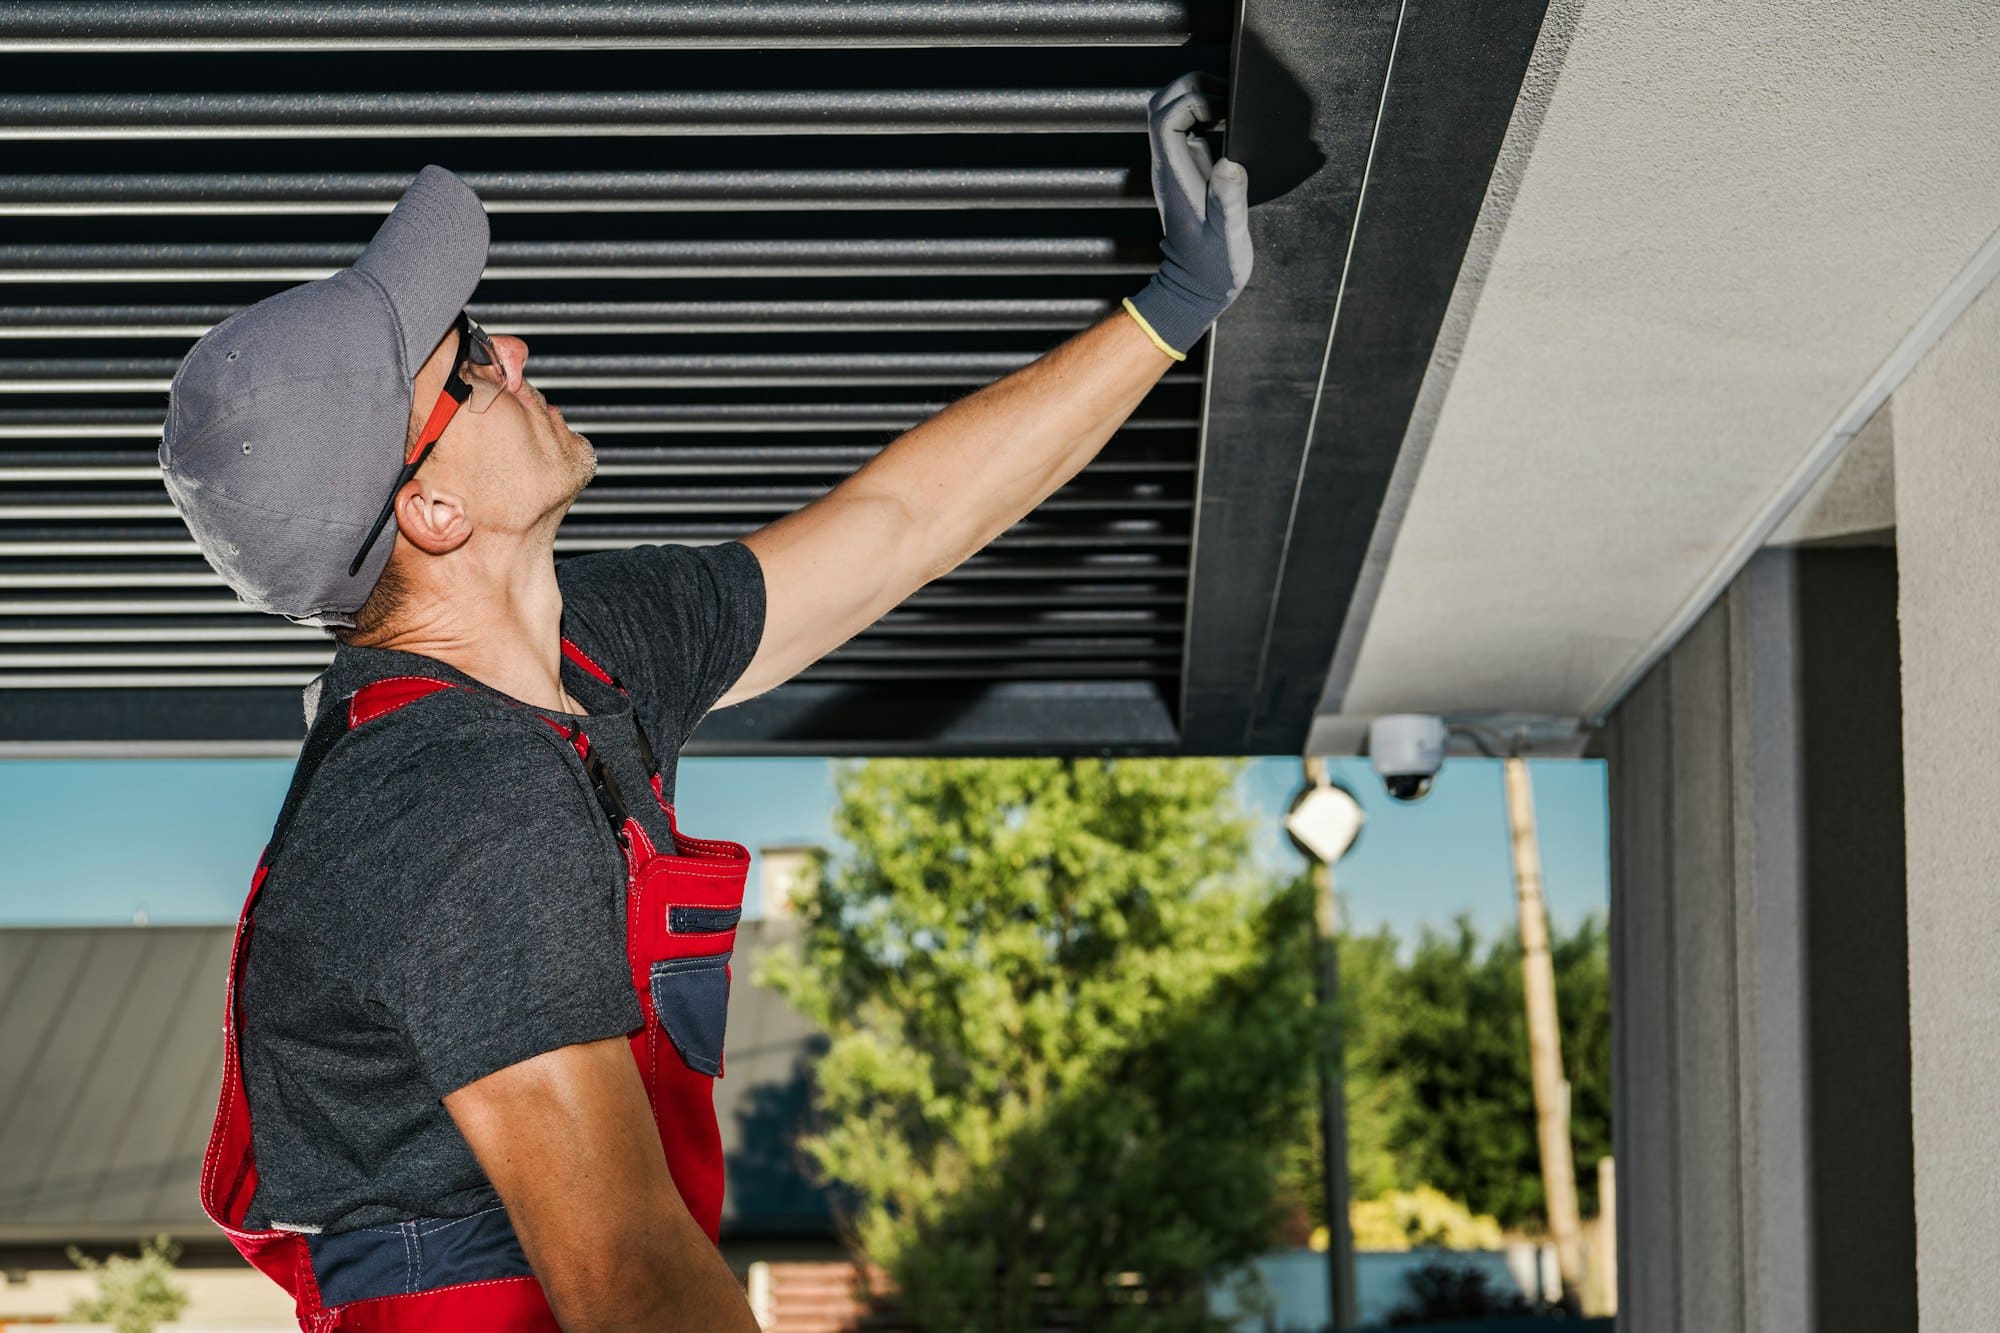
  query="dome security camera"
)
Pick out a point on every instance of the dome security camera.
point(1406, 750)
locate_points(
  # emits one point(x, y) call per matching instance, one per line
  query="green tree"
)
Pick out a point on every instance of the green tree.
point(1583, 999)
point(1437, 1065)
point(1070, 1035)
point(1460, 1048)
point(1377, 1097)
point(133, 1293)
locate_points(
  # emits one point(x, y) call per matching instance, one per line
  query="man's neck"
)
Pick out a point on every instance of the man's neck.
point(502, 628)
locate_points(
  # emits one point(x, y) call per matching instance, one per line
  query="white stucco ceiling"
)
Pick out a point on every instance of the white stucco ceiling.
point(1727, 220)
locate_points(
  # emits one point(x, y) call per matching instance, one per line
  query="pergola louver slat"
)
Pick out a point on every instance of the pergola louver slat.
point(92, 26)
point(156, 262)
point(724, 191)
point(566, 112)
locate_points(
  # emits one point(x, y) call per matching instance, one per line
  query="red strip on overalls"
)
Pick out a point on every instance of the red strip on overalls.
point(679, 964)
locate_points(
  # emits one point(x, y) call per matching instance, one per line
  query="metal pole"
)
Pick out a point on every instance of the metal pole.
point(1607, 1236)
point(1538, 983)
point(1333, 1093)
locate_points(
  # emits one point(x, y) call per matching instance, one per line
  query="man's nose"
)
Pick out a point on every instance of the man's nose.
point(513, 360)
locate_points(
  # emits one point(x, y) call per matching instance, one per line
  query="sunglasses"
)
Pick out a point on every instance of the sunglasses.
point(465, 389)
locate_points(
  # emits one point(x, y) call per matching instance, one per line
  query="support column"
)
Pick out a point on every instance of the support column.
point(1759, 982)
point(1948, 539)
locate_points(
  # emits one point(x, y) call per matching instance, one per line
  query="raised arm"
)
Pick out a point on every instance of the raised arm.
point(567, 1140)
point(938, 493)
point(947, 487)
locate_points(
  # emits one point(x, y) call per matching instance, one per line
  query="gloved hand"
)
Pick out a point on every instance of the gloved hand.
point(1204, 213)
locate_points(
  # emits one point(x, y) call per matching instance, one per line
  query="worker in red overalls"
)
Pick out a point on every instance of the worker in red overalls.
point(475, 1006)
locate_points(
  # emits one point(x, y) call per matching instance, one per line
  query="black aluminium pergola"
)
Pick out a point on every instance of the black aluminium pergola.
point(751, 244)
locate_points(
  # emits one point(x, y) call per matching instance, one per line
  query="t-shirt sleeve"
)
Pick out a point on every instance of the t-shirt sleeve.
point(676, 624)
point(506, 934)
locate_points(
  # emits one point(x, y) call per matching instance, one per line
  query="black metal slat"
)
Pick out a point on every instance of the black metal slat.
point(133, 481)
point(71, 679)
point(49, 572)
point(1122, 458)
point(662, 370)
point(65, 264)
point(97, 420)
point(803, 718)
point(728, 191)
point(939, 604)
point(569, 111)
point(213, 621)
point(1116, 520)
point(190, 25)
point(533, 319)
point(250, 654)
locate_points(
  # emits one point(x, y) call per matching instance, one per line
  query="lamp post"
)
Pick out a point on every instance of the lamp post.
point(1323, 821)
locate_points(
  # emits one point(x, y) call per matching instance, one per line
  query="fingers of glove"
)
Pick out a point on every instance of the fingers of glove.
point(1204, 160)
point(1189, 182)
point(1193, 81)
point(1175, 161)
point(1183, 113)
point(1229, 218)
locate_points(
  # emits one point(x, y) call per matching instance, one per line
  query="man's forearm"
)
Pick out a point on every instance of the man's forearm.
point(973, 470)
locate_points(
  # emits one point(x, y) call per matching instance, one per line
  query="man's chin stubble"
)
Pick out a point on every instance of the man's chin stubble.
point(582, 460)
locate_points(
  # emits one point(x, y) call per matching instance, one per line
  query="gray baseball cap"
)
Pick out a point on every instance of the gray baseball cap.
point(286, 423)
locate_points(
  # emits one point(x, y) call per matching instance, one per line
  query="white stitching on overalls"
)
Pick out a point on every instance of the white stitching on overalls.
point(449, 1224)
point(355, 722)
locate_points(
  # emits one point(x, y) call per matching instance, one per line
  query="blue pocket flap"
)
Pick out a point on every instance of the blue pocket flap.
point(684, 920)
point(691, 996)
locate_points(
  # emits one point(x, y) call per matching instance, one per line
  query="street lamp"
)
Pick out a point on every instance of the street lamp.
point(1323, 821)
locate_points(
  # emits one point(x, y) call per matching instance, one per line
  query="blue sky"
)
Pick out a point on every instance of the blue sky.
point(95, 841)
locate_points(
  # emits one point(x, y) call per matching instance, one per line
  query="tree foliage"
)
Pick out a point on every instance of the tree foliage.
point(1071, 1038)
point(1438, 1087)
point(133, 1293)
point(1426, 1217)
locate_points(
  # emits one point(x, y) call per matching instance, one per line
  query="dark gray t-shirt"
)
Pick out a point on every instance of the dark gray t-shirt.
point(450, 899)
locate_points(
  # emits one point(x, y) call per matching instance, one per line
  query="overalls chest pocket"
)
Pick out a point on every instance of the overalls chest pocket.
point(691, 992)
point(681, 922)
point(691, 907)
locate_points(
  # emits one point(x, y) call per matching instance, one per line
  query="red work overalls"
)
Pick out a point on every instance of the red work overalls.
point(681, 910)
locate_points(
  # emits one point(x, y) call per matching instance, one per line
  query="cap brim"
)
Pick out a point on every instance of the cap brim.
point(428, 255)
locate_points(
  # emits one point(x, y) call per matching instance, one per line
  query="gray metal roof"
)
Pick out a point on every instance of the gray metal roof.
point(111, 1052)
point(750, 245)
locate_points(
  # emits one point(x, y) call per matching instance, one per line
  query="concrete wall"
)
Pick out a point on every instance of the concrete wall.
point(1761, 1050)
point(1948, 534)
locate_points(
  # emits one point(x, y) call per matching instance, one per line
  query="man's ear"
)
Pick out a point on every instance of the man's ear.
point(433, 518)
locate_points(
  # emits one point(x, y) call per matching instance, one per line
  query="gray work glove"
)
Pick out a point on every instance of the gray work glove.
point(1204, 215)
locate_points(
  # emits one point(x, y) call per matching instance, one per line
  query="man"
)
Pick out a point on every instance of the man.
point(473, 1037)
